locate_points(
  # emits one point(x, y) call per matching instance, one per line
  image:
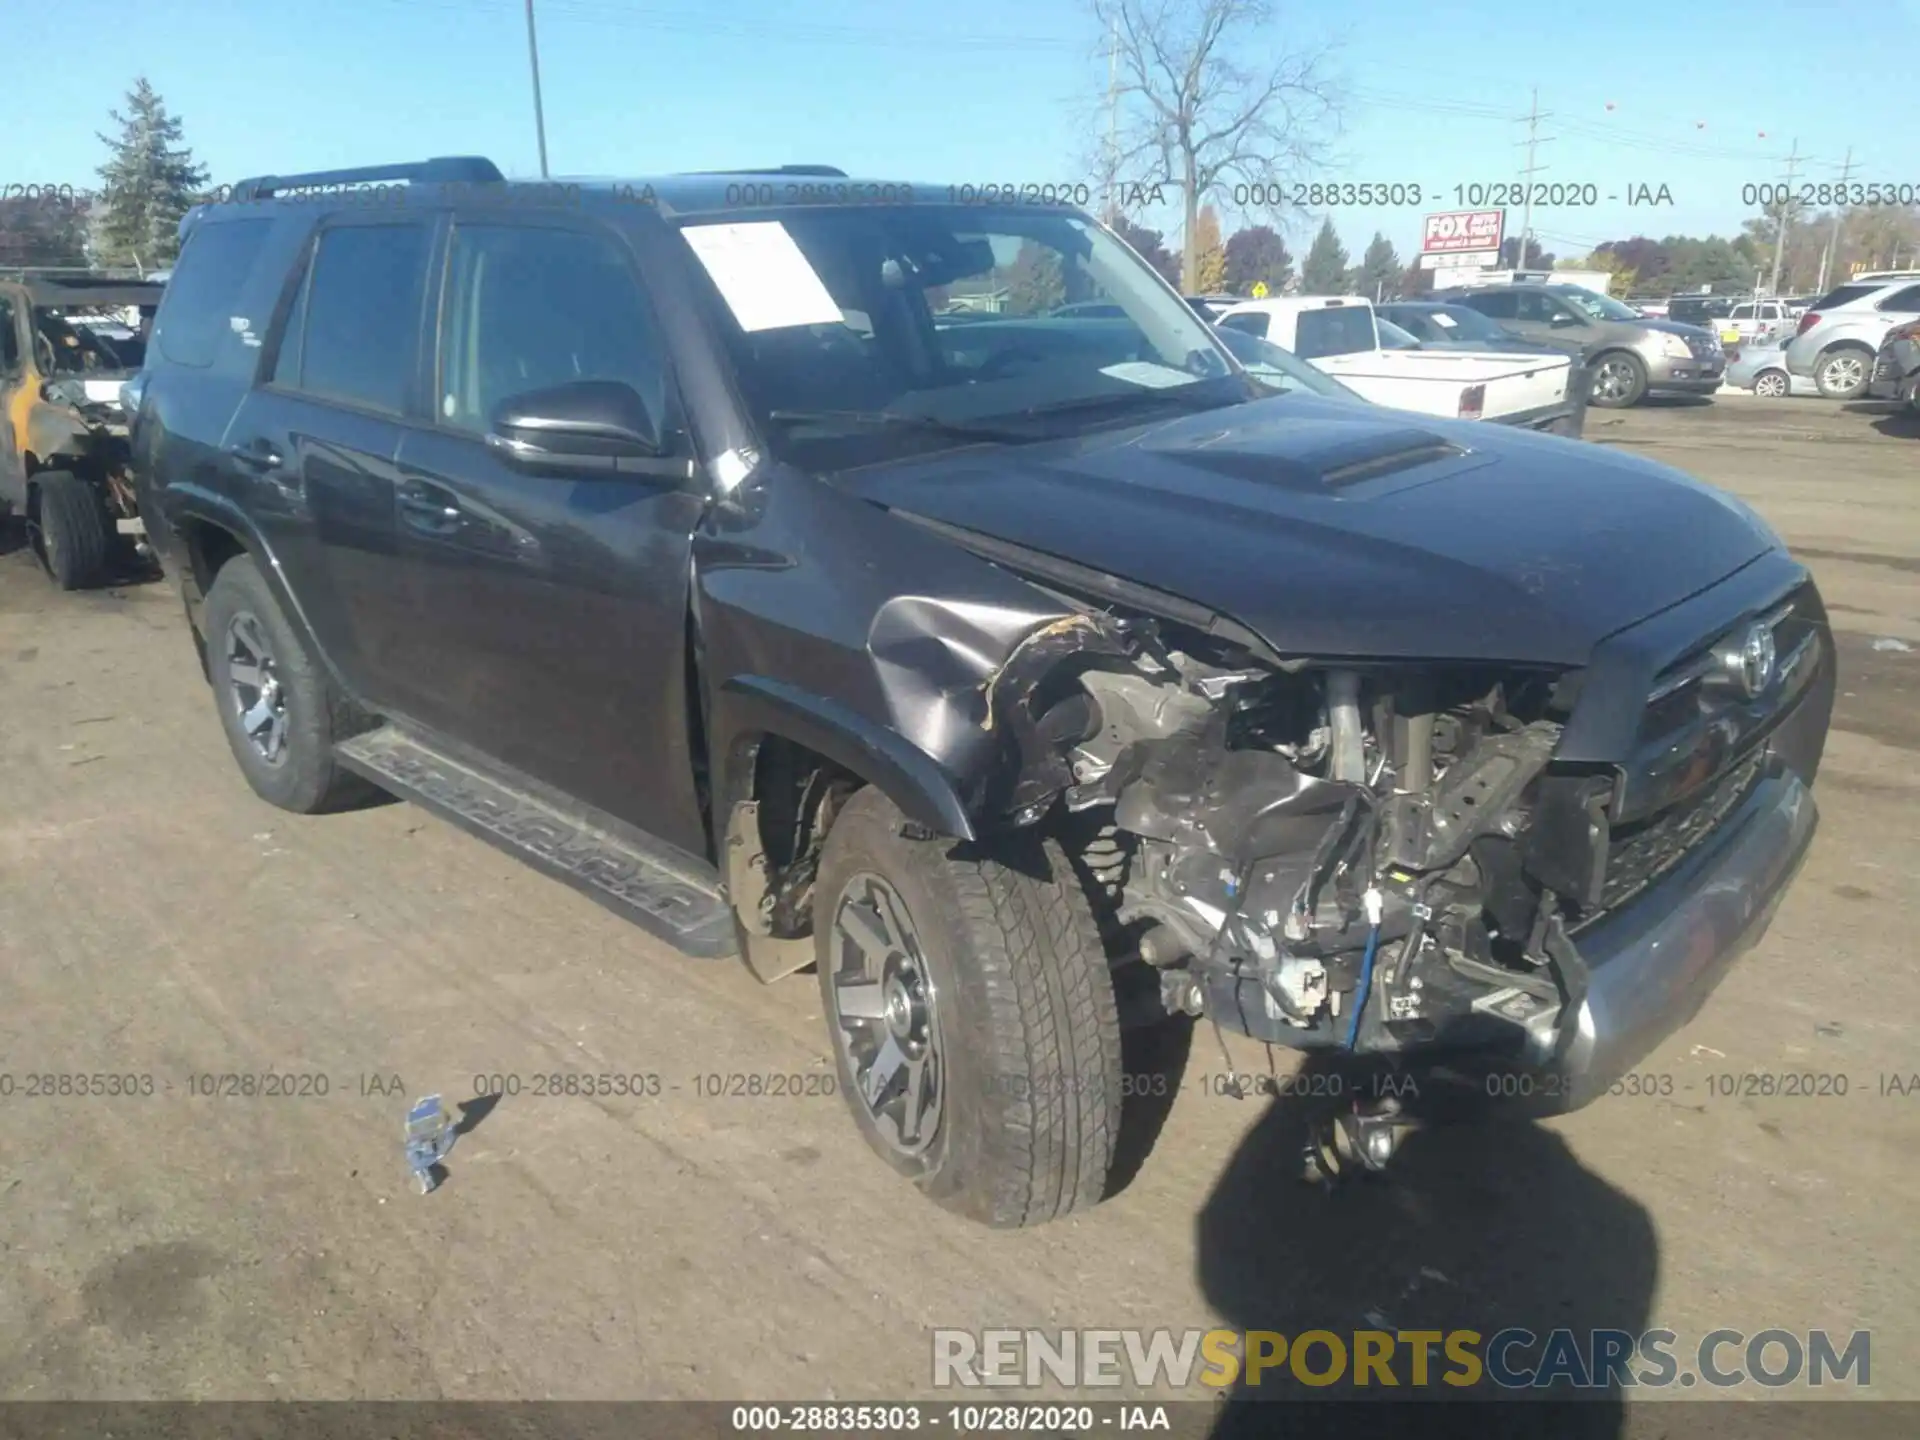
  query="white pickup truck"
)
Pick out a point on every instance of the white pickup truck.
point(1341, 337)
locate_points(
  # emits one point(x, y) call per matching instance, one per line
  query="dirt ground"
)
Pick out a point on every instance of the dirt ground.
point(157, 920)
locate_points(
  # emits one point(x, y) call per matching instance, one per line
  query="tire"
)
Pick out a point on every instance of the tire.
point(1844, 372)
point(1619, 380)
point(1773, 384)
point(260, 668)
point(74, 532)
point(1000, 985)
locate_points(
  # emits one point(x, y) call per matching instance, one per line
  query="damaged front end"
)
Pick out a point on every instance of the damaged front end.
point(1399, 862)
point(1329, 857)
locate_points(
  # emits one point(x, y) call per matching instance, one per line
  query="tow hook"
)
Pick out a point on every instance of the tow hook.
point(1362, 1140)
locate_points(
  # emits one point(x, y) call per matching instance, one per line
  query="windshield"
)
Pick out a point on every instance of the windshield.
point(864, 333)
point(1278, 369)
point(1392, 337)
point(1596, 307)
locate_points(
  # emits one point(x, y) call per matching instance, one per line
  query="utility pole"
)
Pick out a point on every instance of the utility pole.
point(539, 115)
point(1786, 219)
point(1533, 117)
point(1833, 240)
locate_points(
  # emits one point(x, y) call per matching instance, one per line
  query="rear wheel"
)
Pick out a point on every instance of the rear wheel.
point(281, 712)
point(1771, 383)
point(71, 530)
point(1844, 374)
point(1619, 380)
point(972, 1015)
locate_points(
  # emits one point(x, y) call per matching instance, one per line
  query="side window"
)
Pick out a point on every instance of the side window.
point(9, 340)
point(1905, 301)
point(1337, 330)
point(1741, 312)
point(361, 318)
point(530, 308)
point(1542, 309)
point(1251, 322)
point(293, 338)
point(206, 285)
point(1495, 306)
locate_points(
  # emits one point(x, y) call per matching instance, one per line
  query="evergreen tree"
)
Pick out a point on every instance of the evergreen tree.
point(1324, 271)
point(151, 181)
point(1378, 277)
point(1210, 256)
point(1257, 256)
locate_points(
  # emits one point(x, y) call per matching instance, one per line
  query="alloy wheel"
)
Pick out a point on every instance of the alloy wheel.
point(1845, 371)
point(254, 688)
point(1613, 380)
point(1771, 384)
point(885, 1018)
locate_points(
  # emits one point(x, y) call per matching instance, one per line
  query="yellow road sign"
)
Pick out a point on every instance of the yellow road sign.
point(1259, 289)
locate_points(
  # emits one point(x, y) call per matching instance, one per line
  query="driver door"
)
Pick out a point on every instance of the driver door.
point(1549, 320)
point(543, 616)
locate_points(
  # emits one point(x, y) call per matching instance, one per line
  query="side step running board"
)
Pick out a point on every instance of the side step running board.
point(636, 883)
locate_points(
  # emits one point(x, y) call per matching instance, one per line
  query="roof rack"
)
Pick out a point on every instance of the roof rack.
point(443, 169)
point(780, 170)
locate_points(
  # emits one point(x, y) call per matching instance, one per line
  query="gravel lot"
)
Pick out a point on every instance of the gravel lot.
point(155, 919)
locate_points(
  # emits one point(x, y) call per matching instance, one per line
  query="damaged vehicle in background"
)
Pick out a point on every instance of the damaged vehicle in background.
point(64, 355)
point(1025, 674)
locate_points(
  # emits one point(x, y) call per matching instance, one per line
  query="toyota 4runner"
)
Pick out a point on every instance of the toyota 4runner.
point(1011, 670)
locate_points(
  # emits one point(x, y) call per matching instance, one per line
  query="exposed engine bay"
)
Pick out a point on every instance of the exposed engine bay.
point(1367, 859)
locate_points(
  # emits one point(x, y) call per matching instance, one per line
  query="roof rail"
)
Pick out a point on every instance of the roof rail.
point(781, 170)
point(443, 169)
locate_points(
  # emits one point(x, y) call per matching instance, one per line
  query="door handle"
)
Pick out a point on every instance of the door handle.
point(254, 454)
point(430, 508)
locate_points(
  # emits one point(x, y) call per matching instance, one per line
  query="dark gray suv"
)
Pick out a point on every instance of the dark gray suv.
point(1628, 355)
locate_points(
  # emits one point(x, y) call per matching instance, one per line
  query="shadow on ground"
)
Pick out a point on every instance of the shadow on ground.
point(1478, 1226)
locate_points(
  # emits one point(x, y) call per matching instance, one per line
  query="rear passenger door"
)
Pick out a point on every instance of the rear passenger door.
point(544, 614)
point(316, 442)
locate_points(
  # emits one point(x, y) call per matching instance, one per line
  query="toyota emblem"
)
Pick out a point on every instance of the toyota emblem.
point(1749, 666)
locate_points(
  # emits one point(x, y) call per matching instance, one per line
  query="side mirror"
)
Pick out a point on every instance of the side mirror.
point(1564, 321)
point(587, 425)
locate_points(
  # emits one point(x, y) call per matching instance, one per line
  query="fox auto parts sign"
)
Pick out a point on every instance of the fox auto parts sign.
point(1456, 230)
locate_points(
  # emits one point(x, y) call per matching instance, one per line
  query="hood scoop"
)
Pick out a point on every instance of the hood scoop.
point(1321, 456)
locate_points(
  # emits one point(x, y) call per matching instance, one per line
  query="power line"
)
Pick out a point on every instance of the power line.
point(1786, 219)
point(1833, 240)
point(1532, 117)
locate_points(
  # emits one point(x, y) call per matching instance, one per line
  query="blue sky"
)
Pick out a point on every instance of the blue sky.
point(1007, 94)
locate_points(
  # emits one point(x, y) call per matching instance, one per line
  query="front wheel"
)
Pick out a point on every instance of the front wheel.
point(972, 1015)
point(1843, 374)
point(1619, 380)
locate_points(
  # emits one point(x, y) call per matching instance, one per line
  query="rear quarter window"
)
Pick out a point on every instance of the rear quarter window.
point(1248, 322)
point(1905, 301)
point(198, 314)
point(1345, 330)
point(1843, 295)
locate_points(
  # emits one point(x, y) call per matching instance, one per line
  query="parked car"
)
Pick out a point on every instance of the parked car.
point(1627, 355)
point(1838, 339)
point(1763, 370)
point(1896, 370)
point(1017, 674)
point(63, 433)
point(1438, 325)
point(1754, 320)
point(1211, 307)
point(1342, 336)
point(1701, 310)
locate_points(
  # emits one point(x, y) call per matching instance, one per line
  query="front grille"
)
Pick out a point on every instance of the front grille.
point(1640, 853)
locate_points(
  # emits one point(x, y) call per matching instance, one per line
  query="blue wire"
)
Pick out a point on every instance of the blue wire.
point(1366, 984)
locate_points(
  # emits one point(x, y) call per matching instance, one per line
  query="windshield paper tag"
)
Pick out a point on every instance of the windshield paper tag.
point(762, 275)
point(1142, 372)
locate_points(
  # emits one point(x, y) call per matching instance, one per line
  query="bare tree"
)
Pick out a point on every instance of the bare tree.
point(1195, 107)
